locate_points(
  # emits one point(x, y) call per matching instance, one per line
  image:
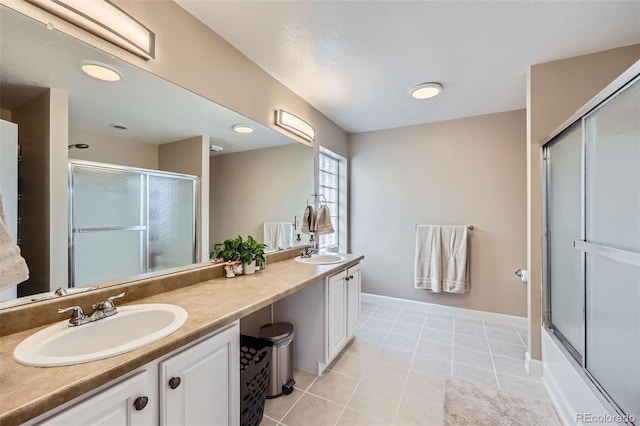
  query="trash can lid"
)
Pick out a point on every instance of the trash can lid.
point(276, 331)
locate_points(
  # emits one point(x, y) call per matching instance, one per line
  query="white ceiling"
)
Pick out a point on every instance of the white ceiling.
point(355, 61)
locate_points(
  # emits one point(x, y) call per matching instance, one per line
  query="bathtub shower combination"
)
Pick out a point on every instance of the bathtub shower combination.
point(592, 246)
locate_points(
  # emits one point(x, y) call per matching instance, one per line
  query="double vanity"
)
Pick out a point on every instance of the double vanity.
point(192, 373)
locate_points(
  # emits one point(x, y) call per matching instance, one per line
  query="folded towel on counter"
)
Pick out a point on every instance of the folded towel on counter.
point(442, 258)
point(13, 268)
point(278, 235)
point(323, 221)
point(308, 220)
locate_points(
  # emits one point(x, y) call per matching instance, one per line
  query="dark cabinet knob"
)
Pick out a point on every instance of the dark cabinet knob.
point(350, 277)
point(140, 402)
point(174, 382)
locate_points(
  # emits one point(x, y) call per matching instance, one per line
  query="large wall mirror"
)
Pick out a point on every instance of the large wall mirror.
point(139, 123)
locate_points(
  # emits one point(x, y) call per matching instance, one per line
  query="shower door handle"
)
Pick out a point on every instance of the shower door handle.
point(619, 255)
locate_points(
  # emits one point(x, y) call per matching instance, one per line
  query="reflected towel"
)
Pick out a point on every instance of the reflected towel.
point(442, 259)
point(308, 220)
point(278, 235)
point(323, 221)
point(13, 268)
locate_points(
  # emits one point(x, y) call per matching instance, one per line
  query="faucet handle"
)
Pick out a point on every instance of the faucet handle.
point(61, 291)
point(77, 318)
point(108, 304)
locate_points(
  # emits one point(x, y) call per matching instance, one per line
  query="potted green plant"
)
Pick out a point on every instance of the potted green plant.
point(251, 251)
point(229, 251)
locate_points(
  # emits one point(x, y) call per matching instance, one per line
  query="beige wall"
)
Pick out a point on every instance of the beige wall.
point(556, 91)
point(111, 149)
point(469, 171)
point(252, 187)
point(42, 135)
point(32, 119)
point(191, 156)
point(58, 188)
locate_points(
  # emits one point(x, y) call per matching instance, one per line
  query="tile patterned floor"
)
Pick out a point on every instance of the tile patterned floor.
point(393, 371)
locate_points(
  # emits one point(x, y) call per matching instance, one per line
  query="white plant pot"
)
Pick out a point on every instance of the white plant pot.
point(249, 268)
point(237, 268)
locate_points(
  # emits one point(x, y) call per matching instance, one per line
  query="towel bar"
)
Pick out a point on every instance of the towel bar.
point(469, 227)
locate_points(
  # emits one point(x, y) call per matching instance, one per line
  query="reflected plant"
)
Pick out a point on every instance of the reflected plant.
point(228, 250)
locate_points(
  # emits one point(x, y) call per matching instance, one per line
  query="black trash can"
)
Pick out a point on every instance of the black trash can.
point(281, 377)
point(255, 363)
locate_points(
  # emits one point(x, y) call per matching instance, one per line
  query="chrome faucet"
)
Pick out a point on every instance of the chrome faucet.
point(311, 248)
point(101, 310)
point(306, 253)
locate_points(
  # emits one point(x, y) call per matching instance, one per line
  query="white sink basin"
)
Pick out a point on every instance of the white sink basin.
point(132, 327)
point(321, 259)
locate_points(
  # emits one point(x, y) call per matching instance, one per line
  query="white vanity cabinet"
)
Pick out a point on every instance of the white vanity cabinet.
point(342, 309)
point(128, 403)
point(195, 385)
point(324, 315)
point(199, 386)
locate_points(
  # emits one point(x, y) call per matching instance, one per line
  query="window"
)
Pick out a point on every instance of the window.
point(332, 186)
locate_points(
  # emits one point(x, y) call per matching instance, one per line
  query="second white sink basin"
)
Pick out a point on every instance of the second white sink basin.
point(321, 259)
point(132, 327)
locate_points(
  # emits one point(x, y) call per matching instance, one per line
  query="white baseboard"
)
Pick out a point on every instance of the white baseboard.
point(449, 310)
point(533, 366)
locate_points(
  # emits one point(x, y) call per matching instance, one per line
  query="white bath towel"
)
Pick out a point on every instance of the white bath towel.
point(455, 250)
point(428, 261)
point(308, 220)
point(323, 221)
point(278, 235)
point(442, 258)
point(13, 268)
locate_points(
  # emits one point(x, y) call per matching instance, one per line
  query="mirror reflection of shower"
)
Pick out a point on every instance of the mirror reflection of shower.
point(79, 146)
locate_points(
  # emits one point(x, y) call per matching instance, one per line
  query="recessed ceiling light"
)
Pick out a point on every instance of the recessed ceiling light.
point(215, 148)
point(100, 71)
point(242, 128)
point(426, 90)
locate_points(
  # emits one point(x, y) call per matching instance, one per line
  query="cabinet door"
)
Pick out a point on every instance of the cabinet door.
point(353, 299)
point(115, 405)
point(336, 314)
point(200, 385)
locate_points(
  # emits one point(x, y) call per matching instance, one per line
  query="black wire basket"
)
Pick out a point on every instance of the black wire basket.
point(255, 359)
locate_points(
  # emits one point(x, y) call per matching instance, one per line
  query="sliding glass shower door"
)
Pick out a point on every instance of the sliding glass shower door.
point(612, 247)
point(126, 221)
point(592, 171)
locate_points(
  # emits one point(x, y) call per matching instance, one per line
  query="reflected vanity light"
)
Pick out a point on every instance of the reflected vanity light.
point(426, 90)
point(100, 71)
point(242, 128)
point(106, 20)
point(295, 125)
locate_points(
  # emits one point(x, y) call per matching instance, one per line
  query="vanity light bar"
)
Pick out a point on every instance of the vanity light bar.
point(295, 125)
point(106, 20)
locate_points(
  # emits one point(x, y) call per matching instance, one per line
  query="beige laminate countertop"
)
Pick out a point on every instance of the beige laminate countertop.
point(27, 392)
